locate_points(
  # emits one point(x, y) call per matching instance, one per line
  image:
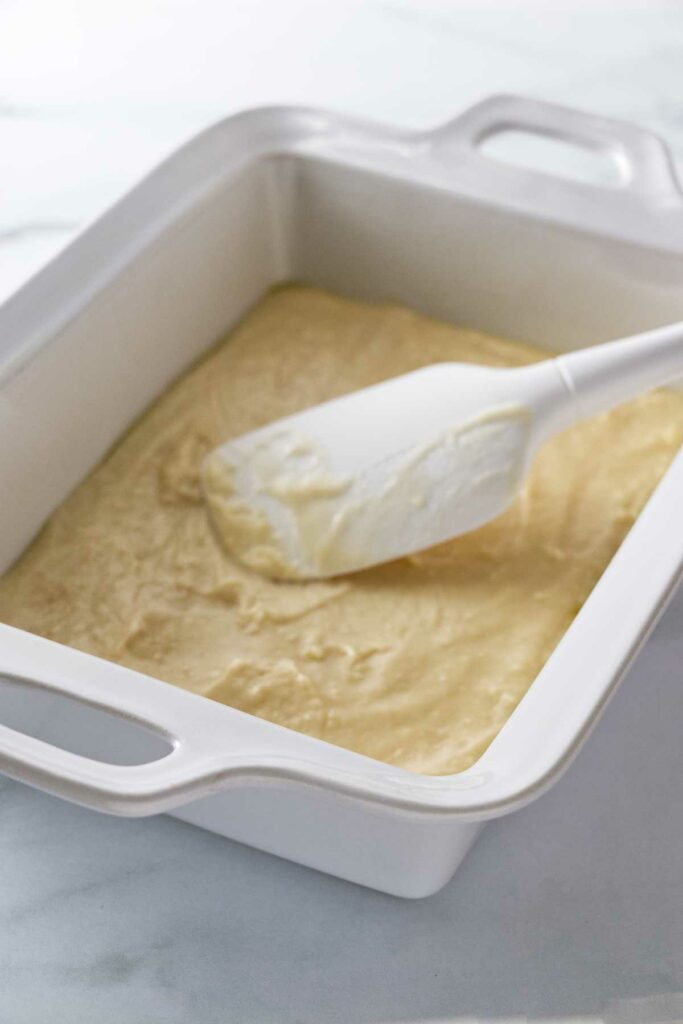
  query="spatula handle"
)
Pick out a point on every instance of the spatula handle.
point(606, 375)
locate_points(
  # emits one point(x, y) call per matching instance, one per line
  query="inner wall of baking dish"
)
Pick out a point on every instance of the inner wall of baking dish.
point(305, 219)
point(382, 239)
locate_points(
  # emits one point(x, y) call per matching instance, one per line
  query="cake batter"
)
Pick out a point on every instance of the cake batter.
point(417, 663)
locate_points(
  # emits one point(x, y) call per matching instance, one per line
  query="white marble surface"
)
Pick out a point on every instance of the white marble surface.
point(569, 910)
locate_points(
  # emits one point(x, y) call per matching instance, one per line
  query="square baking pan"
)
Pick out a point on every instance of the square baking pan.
point(426, 219)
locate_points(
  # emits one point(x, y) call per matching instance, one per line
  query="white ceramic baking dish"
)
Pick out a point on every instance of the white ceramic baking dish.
point(423, 218)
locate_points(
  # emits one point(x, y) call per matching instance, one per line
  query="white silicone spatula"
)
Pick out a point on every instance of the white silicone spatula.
point(415, 460)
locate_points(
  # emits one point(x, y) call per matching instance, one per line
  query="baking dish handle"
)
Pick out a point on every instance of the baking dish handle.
point(649, 171)
point(203, 747)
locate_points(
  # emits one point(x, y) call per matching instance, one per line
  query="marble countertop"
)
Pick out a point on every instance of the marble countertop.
point(571, 910)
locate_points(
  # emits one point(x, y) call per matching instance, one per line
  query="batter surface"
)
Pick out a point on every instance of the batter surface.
point(418, 663)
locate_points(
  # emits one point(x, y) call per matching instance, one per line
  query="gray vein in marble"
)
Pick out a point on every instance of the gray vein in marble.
point(457, 24)
point(16, 913)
